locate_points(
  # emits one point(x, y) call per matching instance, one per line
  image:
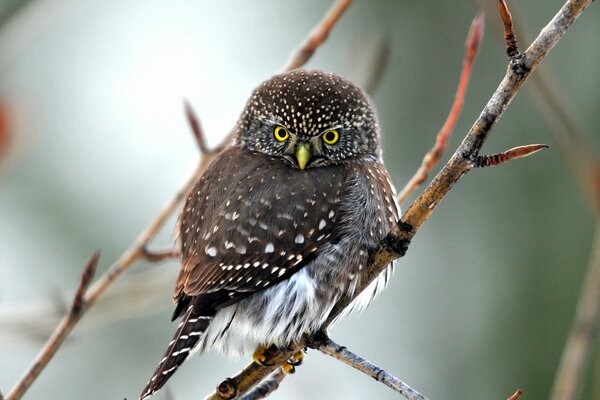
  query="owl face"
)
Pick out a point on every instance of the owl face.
point(310, 119)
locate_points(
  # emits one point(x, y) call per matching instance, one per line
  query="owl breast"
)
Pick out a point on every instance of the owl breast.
point(281, 260)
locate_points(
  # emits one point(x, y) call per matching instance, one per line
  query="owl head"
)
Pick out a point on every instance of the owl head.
point(310, 119)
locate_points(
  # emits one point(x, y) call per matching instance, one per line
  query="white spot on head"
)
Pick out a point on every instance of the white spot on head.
point(269, 248)
point(299, 239)
point(331, 214)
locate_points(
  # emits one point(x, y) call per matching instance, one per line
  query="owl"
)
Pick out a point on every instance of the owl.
point(279, 227)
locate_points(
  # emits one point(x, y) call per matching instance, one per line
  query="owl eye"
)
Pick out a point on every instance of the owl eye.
point(331, 137)
point(280, 133)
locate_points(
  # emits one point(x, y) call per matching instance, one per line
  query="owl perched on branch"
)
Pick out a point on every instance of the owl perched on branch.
point(279, 227)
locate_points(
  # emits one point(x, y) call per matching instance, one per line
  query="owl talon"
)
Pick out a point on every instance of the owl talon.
point(263, 354)
point(289, 367)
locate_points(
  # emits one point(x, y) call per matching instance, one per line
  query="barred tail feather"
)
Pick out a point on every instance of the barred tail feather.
point(189, 332)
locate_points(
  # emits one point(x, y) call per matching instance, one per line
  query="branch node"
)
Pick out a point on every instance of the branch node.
point(512, 50)
point(500, 158)
point(227, 389)
point(86, 278)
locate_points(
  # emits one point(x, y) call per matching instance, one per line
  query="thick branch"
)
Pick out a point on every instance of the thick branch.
point(266, 387)
point(395, 243)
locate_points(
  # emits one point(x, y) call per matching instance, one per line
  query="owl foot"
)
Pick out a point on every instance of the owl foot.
point(289, 367)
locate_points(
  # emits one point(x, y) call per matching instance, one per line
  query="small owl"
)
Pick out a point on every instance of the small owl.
point(279, 227)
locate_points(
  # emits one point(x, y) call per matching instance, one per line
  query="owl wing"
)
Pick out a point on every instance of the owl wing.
point(252, 221)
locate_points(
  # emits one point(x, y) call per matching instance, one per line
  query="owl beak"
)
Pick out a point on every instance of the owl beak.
point(303, 154)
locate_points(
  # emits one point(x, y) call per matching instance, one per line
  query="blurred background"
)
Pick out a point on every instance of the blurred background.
point(93, 142)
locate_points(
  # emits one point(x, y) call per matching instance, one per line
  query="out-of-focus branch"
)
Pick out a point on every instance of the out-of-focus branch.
point(434, 155)
point(327, 346)
point(568, 382)
point(394, 245)
point(317, 36)
point(61, 332)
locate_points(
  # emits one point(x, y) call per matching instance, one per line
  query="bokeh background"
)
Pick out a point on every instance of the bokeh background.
point(94, 142)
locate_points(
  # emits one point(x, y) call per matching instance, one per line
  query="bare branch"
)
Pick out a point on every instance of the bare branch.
point(517, 395)
point(327, 346)
point(396, 242)
point(500, 158)
point(512, 50)
point(60, 333)
point(266, 387)
point(319, 34)
point(434, 155)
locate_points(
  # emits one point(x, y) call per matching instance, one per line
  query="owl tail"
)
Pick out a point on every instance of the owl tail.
point(189, 332)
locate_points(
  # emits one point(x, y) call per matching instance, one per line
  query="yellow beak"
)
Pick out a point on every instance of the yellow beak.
point(302, 154)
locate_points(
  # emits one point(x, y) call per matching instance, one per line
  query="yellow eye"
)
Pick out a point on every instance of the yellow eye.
point(331, 137)
point(280, 133)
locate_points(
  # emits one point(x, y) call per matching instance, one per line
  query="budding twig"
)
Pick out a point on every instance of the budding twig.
point(512, 50)
point(434, 155)
point(516, 396)
point(500, 158)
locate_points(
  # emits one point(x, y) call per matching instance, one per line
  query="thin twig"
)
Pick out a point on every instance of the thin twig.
point(60, 333)
point(194, 122)
point(500, 158)
point(517, 395)
point(395, 243)
point(568, 382)
point(434, 155)
point(327, 346)
point(317, 36)
point(155, 256)
point(267, 386)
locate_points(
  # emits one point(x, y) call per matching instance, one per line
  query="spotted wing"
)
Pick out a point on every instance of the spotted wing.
point(251, 221)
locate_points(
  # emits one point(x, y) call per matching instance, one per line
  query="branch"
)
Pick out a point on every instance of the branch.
point(327, 346)
point(61, 332)
point(266, 387)
point(396, 242)
point(317, 36)
point(138, 249)
point(434, 155)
